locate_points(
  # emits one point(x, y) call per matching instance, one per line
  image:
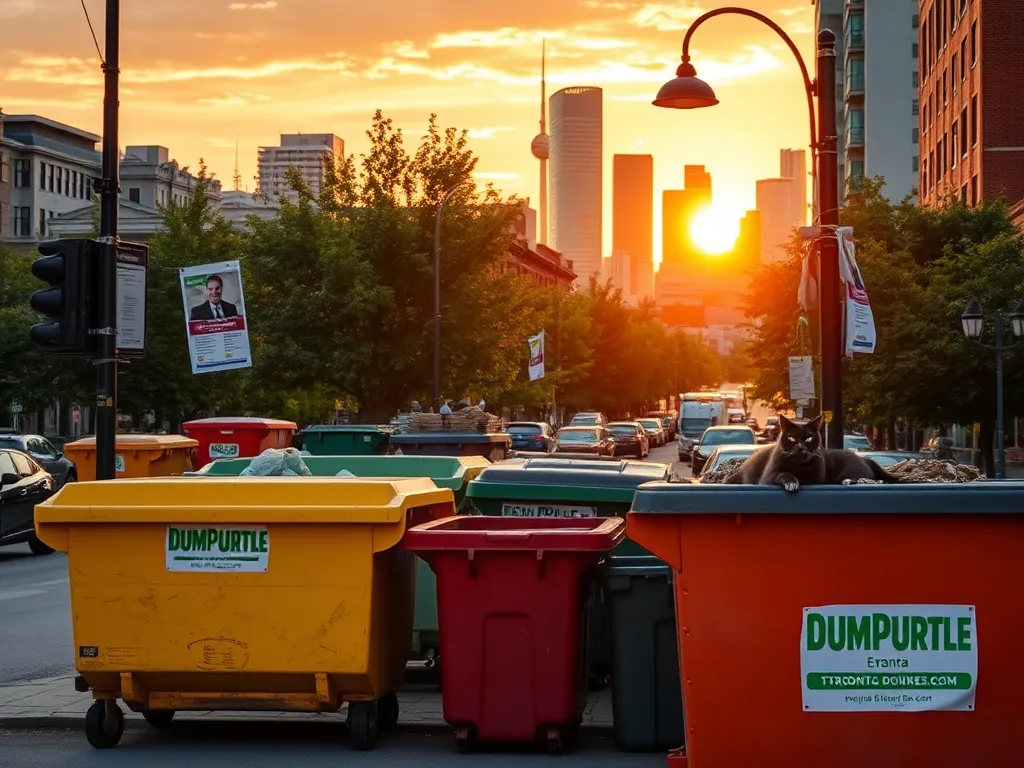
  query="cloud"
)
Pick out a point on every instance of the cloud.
point(488, 132)
point(234, 99)
point(794, 11)
point(231, 37)
point(269, 5)
point(11, 9)
point(667, 17)
point(506, 37)
point(405, 49)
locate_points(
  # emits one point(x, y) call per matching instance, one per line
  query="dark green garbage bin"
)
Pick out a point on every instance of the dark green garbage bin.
point(491, 445)
point(553, 487)
point(453, 472)
point(345, 439)
point(647, 701)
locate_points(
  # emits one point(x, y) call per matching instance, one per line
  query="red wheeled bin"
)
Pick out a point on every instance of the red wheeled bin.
point(235, 437)
point(513, 616)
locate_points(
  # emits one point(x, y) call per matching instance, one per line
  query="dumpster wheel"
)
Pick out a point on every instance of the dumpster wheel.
point(555, 741)
point(363, 717)
point(465, 740)
point(104, 724)
point(388, 711)
point(158, 718)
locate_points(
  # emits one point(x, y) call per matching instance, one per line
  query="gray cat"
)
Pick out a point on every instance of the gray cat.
point(798, 458)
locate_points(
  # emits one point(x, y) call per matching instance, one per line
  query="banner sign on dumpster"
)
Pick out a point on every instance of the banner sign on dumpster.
point(215, 321)
point(218, 548)
point(889, 658)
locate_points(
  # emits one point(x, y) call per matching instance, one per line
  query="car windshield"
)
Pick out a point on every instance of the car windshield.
point(522, 429)
point(727, 437)
point(622, 429)
point(652, 424)
point(695, 425)
point(722, 456)
point(578, 436)
point(584, 419)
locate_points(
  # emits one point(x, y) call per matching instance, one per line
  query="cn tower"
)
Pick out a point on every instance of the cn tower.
point(541, 149)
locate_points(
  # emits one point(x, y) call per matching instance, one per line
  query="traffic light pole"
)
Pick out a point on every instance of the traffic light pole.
point(106, 348)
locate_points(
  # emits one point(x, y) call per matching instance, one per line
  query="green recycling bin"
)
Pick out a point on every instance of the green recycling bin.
point(454, 472)
point(345, 439)
point(647, 697)
point(553, 487)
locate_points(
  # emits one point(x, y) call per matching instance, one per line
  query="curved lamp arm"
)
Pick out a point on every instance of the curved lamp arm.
point(809, 86)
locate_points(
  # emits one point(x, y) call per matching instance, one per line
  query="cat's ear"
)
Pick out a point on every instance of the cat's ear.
point(815, 423)
point(784, 423)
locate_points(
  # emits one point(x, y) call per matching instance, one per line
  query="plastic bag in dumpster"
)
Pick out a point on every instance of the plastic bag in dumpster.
point(275, 462)
point(344, 473)
point(910, 471)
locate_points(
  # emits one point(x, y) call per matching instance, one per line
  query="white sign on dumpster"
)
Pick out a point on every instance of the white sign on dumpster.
point(889, 658)
point(224, 450)
point(217, 548)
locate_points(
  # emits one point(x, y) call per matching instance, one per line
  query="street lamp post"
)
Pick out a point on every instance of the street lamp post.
point(437, 291)
point(687, 91)
point(973, 323)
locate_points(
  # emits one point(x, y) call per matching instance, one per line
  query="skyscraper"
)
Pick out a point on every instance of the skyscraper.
point(576, 178)
point(793, 165)
point(633, 219)
point(308, 153)
point(780, 214)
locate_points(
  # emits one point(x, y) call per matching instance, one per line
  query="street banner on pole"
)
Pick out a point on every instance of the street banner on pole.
point(860, 321)
point(218, 335)
point(536, 344)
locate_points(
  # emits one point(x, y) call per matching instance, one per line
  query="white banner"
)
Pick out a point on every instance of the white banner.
point(889, 658)
point(801, 378)
point(860, 321)
point(218, 335)
point(536, 344)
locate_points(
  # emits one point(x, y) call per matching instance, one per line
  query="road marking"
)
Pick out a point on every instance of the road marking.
point(16, 594)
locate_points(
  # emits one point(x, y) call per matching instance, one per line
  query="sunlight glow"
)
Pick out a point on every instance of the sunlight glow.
point(714, 230)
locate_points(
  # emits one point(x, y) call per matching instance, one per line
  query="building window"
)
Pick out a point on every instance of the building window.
point(915, 21)
point(974, 190)
point(974, 43)
point(23, 173)
point(963, 131)
point(915, 106)
point(963, 194)
point(22, 219)
point(81, 186)
point(915, 164)
point(945, 77)
point(953, 18)
point(954, 129)
point(974, 120)
point(913, 50)
point(67, 182)
point(88, 188)
point(42, 222)
point(963, 59)
point(952, 80)
point(915, 136)
point(134, 194)
point(935, 170)
point(60, 181)
point(5, 169)
point(856, 171)
point(42, 175)
point(924, 176)
point(74, 184)
point(915, 80)
point(940, 169)
point(926, 120)
point(49, 179)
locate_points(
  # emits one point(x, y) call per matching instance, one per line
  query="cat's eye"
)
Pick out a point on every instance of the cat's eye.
point(809, 439)
point(791, 439)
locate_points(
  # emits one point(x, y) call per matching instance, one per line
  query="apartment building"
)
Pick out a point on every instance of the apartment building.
point(307, 153)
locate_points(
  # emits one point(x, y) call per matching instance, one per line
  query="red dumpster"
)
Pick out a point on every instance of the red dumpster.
point(234, 437)
point(513, 615)
point(871, 625)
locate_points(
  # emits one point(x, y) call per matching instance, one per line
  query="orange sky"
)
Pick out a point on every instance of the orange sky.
point(199, 75)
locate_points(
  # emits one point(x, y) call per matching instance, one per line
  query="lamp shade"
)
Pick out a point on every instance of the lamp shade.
point(971, 320)
point(1017, 320)
point(685, 91)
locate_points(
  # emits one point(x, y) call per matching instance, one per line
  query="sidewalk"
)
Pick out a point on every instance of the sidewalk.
point(54, 703)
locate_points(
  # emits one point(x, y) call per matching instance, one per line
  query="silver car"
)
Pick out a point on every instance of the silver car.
point(49, 457)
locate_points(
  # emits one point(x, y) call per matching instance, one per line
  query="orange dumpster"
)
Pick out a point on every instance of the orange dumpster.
point(137, 455)
point(873, 625)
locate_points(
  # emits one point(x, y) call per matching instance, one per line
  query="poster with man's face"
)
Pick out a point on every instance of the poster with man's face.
point(215, 321)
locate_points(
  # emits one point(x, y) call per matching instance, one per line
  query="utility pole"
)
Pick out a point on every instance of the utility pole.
point(110, 190)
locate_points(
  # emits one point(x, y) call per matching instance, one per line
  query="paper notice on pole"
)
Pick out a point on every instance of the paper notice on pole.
point(215, 321)
point(132, 266)
point(889, 658)
point(860, 321)
point(801, 378)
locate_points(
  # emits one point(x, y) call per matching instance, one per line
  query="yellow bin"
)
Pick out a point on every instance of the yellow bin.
point(254, 593)
point(137, 456)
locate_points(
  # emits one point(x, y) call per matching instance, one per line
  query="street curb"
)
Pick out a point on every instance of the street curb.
point(77, 722)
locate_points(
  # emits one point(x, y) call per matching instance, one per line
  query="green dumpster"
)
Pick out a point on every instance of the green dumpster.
point(552, 487)
point(454, 472)
point(345, 439)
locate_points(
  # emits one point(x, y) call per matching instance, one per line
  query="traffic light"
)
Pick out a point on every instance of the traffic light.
point(69, 267)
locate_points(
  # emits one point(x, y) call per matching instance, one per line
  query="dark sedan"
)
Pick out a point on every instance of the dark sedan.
point(45, 453)
point(23, 484)
point(531, 436)
point(597, 440)
point(715, 437)
point(630, 439)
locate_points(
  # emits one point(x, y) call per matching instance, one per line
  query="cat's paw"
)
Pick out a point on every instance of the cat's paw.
point(788, 482)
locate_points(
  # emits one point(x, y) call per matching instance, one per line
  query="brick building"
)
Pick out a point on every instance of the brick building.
point(971, 101)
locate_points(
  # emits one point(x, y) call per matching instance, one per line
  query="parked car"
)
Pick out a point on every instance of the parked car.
point(45, 453)
point(888, 458)
point(654, 430)
point(531, 436)
point(857, 443)
point(574, 439)
point(630, 439)
point(668, 423)
point(23, 484)
point(715, 437)
point(588, 419)
point(726, 453)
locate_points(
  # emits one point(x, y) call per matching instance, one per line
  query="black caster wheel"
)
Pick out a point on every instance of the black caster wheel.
point(464, 741)
point(555, 743)
point(104, 724)
point(363, 719)
point(387, 711)
point(158, 718)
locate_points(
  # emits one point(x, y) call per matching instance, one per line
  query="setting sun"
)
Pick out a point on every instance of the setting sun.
point(714, 230)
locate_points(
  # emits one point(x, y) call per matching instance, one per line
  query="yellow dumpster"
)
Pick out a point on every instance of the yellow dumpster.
point(136, 455)
point(254, 593)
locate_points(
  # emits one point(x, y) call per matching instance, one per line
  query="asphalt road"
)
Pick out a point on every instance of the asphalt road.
point(35, 615)
point(255, 745)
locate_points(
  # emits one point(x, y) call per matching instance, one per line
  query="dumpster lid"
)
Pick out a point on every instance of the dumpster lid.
point(451, 438)
point(587, 534)
point(1002, 497)
point(245, 500)
point(346, 428)
point(239, 422)
point(136, 442)
point(566, 480)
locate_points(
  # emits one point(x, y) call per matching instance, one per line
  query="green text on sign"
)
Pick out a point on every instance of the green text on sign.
point(241, 549)
point(210, 539)
point(920, 681)
point(879, 630)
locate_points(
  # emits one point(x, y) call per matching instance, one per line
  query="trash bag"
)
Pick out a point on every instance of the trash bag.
point(277, 462)
point(344, 473)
